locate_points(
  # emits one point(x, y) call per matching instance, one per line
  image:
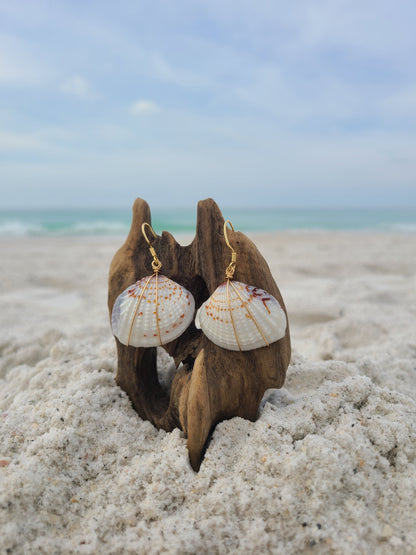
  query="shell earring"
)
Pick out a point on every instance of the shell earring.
point(240, 317)
point(153, 311)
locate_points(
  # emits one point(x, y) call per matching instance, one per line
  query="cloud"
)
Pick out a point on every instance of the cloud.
point(310, 101)
point(12, 142)
point(12, 71)
point(401, 105)
point(77, 86)
point(19, 64)
point(144, 108)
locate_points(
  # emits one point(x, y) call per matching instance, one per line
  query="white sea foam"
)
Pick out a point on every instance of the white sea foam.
point(405, 227)
point(99, 227)
point(24, 228)
point(114, 222)
point(19, 228)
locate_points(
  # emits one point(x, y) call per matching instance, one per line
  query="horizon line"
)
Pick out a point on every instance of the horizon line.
point(250, 208)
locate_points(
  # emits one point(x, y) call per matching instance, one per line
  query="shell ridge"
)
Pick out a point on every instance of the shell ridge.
point(136, 310)
point(250, 314)
point(231, 314)
point(157, 304)
point(153, 311)
point(241, 317)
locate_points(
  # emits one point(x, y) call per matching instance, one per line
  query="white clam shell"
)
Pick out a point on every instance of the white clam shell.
point(153, 311)
point(241, 317)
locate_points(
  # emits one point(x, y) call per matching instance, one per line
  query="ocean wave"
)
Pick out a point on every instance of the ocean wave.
point(88, 222)
point(95, 228)
point(19, 228)
point(404, 227)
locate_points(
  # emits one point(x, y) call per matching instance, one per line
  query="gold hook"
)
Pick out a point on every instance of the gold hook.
point(229, 272)
point(156, 263)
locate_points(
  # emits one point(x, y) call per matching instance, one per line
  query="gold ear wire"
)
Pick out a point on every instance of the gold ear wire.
point(229, 272)
point(156, 263)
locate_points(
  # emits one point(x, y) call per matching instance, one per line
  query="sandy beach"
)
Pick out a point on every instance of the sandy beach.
point(328, 467)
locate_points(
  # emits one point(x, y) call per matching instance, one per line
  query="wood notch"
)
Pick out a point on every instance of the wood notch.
point(213, 383)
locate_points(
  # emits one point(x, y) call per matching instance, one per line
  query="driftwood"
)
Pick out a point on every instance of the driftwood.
point(213, 384)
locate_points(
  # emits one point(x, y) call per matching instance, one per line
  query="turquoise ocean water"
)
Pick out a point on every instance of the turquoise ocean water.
point(107, 221)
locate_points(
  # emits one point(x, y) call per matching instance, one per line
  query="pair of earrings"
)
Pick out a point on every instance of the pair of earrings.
point(156, 310)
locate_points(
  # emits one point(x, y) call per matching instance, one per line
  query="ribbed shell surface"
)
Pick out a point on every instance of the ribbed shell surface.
point(241, 317)
point(153, 311)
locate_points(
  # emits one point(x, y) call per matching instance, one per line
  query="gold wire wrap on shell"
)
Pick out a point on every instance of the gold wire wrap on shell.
point(229, 274)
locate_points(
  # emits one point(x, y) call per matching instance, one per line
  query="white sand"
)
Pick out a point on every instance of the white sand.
point(329, 466)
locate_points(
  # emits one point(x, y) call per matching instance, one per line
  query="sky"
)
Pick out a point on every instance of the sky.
point(308, 103)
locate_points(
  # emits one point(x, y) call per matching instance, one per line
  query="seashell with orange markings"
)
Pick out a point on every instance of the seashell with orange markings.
point(153, 311)
point(241, 317)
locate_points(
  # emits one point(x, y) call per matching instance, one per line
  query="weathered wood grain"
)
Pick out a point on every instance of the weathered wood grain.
point(213, 384)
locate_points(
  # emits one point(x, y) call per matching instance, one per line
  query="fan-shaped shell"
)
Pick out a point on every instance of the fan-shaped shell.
point(153, 311)
point(241, 317)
